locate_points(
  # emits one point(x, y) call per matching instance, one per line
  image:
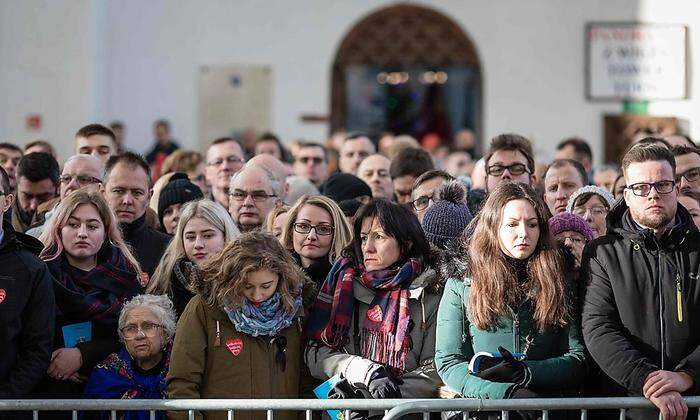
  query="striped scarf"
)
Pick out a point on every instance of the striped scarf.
point(384, 336)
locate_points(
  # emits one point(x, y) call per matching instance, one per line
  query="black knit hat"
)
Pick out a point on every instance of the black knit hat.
point(447, 218)
point(341, 186)
point(179, 190)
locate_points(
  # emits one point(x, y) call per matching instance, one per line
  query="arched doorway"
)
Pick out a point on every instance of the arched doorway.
point(409, 70)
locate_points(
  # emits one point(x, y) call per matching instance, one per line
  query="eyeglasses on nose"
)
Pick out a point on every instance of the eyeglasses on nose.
point(257, 196)
point(642, 189)
point(227, 159)
point(81, 179)
point(514, 169)
point(305, 229)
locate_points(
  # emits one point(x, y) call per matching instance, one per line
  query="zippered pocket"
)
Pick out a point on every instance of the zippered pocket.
point(679, 298)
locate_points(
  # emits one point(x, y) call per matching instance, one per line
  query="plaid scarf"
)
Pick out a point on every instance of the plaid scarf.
point(384, 338)
point(96, 295)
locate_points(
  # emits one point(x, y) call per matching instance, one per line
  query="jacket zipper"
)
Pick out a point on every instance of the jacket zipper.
point(271, 352)
point(661, 305)
point(516, 334)
point(679, 297)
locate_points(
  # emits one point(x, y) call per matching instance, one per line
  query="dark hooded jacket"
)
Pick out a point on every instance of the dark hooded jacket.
point(26, 314)
point(148, 244)
point(642, 306)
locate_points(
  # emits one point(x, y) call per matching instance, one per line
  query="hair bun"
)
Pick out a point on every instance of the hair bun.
point(453, 191)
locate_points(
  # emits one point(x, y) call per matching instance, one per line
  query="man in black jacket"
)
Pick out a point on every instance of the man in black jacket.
point(641, 314)
point(127, 188)
point(26, 308)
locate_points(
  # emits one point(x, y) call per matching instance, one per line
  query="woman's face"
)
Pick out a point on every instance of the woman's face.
point(519, 230)
point(278, 225)
point(574, 241)
point(260, 286)
point(171, 216)
point(83, 233)
point(379, 250)
point(312, 245)
point(143, 335)
point(619, 188)
point(201, 240)
point(594, 213)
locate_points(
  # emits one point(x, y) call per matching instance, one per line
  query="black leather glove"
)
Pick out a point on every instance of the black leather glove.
point(344, 390)
point(524, 393)
point(383, 385)
point(507, 370)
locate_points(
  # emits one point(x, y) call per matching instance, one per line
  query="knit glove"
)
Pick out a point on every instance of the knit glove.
point(383, 385)
point(508, 370)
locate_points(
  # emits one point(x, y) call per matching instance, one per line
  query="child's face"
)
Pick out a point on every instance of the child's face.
point(260, 286)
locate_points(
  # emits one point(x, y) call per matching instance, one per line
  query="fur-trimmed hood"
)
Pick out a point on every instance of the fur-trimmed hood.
point(450, 263)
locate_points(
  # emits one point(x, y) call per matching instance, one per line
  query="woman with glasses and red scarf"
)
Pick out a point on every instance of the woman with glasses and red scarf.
point(373, 323)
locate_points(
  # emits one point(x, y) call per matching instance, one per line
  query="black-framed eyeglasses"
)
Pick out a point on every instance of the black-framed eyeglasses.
point(81, 179)
point(227, 159)
point(642, 189)
point(514, 169)
point(421, 203)
point(305, 229)
point(691, 175)
point(257, 196)
point(315, 160)
point(148, 329)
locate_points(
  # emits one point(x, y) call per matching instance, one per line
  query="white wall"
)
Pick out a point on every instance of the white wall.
point(46, 68)
point(137, 61)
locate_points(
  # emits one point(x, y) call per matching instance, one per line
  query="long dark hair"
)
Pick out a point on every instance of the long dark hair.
point(398, 222)
point(495, 287)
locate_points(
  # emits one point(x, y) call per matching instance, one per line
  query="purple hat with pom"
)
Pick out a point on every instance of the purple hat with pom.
point(563, 222)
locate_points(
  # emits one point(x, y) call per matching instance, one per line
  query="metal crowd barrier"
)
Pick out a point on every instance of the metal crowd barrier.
point(393, 408)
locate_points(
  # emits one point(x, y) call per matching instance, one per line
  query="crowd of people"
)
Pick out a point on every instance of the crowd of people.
point(254, 270)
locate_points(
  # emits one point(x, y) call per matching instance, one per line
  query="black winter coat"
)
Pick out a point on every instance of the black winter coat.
point(26, 314)
point(641, 311)
point(148, 244)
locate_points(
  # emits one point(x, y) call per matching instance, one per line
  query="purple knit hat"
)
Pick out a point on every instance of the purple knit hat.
point(562, 222)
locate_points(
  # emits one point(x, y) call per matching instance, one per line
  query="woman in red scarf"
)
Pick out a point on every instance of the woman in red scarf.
point(373, 322)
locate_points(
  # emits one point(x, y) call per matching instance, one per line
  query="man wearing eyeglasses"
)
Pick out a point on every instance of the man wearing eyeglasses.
point(687, 168)
point(509, 160)
point(79, 171)
point(253, 193)
point(641, 313)
point(311, 163)
point(224, 158)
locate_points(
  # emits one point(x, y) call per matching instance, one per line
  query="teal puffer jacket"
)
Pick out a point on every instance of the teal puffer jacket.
point(555, 357)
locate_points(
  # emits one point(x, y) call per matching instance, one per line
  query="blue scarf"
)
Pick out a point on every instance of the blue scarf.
point(268, 318)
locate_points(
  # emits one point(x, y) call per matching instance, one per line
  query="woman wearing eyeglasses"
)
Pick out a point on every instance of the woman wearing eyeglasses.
point(592, 204)
point(315, 232)
point(95, 273)
point(137, 370)
point(373, 322)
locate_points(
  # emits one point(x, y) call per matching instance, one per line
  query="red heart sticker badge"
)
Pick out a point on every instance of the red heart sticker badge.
point(2, 295)
point(375, 313)
point(234, 345)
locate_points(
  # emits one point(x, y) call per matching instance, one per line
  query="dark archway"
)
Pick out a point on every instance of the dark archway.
point(413, 44)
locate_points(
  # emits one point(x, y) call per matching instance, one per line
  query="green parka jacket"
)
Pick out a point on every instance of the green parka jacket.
point(555, 358)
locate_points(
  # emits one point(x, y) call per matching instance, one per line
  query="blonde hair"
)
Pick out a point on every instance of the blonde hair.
point(51, 236)
point(342, 233)
point(207, 210)
point(224, 276)
point(181, 161)
point(270, 220)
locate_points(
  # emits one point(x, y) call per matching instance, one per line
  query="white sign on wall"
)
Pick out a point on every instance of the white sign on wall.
point(632, 61)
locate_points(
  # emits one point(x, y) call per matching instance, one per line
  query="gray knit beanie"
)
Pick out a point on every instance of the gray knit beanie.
point(447, 218)
point(608, 198)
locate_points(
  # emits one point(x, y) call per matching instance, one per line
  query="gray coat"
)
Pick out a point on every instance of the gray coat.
point(421, 379)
